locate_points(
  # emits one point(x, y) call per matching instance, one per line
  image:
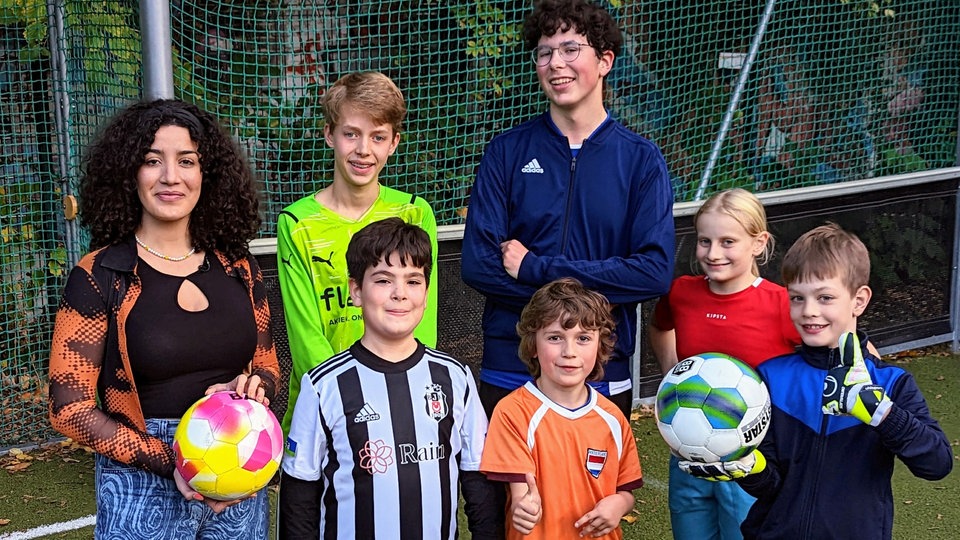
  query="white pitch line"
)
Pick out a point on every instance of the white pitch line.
point(647, 483)
point(53, 528)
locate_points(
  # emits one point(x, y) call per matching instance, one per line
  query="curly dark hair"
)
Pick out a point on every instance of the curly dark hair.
point(226, 216)
point(568, 301)
point(584, 17)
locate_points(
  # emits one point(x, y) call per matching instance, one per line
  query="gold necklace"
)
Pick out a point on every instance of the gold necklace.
point(156, 253)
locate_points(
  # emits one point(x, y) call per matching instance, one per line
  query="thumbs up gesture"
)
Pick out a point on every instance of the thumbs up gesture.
point(848, 388)
point(525, 510)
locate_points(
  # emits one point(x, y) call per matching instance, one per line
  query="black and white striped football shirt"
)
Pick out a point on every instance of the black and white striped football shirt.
point(385, 443)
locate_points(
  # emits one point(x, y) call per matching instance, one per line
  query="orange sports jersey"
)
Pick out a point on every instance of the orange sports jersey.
point(578, 457)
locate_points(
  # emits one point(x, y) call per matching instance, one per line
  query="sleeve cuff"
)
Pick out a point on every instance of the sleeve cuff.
point(530, 270)
point(509, 478)
point(895, 422)
point(630, 486)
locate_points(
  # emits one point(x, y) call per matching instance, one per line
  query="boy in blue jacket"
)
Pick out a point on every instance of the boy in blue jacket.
point(571, 193)
point(840, 415)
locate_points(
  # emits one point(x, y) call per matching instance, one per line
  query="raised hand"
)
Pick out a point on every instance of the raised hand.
point(848, 388)
point(525, 508)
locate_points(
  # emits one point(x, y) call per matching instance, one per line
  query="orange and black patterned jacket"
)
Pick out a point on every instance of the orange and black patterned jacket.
point(93, 398)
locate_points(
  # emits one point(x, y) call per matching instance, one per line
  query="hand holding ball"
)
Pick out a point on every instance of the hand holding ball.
point(228, 447)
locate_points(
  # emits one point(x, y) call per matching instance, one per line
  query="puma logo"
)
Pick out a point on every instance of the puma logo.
point(326, 261)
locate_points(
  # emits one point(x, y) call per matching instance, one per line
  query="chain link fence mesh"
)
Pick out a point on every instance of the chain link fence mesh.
point(839, 90)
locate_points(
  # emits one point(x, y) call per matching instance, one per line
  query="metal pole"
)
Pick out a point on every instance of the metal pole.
point(61, 119)
point(957, 155)
point(735, 99)
point(955, 279)
point(955, 273)
point(157, 47)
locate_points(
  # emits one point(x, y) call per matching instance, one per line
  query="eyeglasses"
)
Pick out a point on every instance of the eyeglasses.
point(569, 51)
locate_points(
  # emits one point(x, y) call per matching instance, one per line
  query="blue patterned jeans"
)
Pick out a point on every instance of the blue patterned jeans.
point(133, 503)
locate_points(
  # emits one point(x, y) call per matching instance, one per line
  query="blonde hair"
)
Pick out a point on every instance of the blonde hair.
point(827, 252)
point(747, 210)
point(568, 301)
point(369, 92)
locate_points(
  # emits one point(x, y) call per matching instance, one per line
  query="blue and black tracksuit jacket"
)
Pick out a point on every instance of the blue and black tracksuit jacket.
point(830, 476)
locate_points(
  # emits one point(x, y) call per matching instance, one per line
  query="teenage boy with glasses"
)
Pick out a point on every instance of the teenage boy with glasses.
point(571, 193)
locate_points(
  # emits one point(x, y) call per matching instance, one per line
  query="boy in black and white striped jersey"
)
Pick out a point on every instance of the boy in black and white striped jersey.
point(383, 432)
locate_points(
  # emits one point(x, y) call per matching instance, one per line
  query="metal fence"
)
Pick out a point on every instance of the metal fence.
point(764, 95)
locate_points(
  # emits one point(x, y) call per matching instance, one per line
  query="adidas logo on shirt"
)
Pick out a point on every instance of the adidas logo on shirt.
point(532, 167)
point(366, 414)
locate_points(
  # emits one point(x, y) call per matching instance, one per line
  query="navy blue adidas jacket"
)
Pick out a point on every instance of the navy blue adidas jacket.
point(604, 218)
point(829, 476)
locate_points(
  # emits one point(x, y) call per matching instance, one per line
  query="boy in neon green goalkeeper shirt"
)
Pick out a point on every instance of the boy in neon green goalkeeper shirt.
point(363, 113)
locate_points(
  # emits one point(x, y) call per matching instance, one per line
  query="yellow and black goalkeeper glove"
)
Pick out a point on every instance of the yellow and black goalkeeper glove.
point(724, 471)
point(849, 390)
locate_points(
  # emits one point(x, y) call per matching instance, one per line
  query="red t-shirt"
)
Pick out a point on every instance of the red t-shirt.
point(752, 325)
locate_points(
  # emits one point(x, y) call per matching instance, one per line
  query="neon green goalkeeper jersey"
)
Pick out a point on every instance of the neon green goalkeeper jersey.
point(311, 251)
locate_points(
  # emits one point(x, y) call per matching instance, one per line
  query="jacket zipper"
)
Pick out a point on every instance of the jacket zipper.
point(806, 522)
point(566, 215)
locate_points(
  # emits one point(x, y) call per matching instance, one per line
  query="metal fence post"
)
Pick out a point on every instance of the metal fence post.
point(735, 99)
point(157, 46)
point(61, 118)
point(955, 273)
point(955, 279)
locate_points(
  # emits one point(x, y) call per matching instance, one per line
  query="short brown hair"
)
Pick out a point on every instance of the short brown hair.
point(369, 92)
point(568, 301)
point(379, 240)
point(828, 252)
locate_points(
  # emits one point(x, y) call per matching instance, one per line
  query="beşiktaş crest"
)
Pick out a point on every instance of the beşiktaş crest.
point(436, 402)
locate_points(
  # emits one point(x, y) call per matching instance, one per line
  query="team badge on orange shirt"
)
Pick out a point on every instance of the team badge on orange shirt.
point(436, 402)
point(595, 461)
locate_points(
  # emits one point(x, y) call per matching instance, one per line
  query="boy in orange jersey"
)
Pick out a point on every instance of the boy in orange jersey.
point(556, 434)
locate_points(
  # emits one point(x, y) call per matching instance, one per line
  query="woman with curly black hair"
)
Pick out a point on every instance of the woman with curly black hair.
point(169, 306)
point(225, 216)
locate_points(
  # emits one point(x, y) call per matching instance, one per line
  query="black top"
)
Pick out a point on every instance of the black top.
point(176, 354)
